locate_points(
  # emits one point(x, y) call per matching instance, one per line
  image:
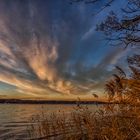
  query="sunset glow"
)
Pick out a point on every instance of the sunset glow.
point(51, 50)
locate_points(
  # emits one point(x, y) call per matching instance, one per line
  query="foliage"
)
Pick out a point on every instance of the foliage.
point(123, 30)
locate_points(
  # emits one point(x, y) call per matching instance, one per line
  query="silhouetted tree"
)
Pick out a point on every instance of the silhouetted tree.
point(124, 30)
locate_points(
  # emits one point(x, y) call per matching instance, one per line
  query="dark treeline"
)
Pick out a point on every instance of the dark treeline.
point(19, 101)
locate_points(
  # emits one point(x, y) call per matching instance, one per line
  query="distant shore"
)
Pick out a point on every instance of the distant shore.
point(23, 101)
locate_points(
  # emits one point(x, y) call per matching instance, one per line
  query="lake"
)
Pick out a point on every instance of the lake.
point(15, 118)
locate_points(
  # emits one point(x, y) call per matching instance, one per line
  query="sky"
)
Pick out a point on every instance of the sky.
point(50, 49)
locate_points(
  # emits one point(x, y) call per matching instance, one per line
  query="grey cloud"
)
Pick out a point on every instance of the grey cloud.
point(39, 39)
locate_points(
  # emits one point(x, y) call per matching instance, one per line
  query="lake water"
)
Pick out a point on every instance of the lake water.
point(15, 118)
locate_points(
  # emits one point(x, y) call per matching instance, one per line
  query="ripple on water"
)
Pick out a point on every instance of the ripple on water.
point(15, 119)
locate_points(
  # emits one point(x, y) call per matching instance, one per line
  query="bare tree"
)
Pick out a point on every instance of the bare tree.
point(124, 30)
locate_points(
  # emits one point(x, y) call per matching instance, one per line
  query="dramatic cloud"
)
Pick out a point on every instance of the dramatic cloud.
point(50, 48)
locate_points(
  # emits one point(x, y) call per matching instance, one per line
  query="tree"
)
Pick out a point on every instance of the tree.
point(124, 30)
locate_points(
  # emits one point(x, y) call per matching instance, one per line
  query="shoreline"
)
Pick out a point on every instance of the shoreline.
point(20, 101)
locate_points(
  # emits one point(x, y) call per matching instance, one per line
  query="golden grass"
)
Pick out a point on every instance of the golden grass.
point(111, 122)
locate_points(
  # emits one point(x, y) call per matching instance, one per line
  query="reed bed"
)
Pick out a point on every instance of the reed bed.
point(111, 122)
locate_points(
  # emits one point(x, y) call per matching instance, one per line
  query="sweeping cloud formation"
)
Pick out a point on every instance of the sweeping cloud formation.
point(49, 48)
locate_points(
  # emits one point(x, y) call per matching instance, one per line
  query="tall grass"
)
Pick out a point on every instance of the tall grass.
point(111, 122)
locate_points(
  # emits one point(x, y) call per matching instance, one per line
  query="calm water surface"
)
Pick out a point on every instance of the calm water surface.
point(15, 118)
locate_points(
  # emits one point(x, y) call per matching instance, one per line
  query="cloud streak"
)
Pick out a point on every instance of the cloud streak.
point(44, 49)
